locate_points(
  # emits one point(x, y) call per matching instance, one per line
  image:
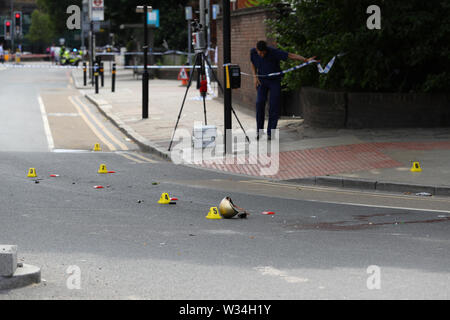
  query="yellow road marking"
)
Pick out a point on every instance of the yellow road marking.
point(92, 127)
point(404, 197)
point(144, 158)
point(104, 129)
point(129, 157)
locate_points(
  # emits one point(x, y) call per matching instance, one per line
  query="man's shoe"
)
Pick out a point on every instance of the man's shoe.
point(269, 138)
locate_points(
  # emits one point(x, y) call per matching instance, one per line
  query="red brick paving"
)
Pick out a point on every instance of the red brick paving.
point(328, 160)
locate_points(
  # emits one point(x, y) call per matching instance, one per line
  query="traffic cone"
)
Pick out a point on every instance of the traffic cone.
point(183, 76)
point(213, 214)
point(416, 167)
point(97, 147)
point(102, 169)
point(32, 173)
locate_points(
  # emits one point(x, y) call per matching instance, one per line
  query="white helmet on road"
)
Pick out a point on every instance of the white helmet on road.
point(227, 209)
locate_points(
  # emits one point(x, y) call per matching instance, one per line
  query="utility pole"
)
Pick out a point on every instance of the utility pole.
point(203, 18)
point(208, 26)
point(12, 31)
point(145, 76)
point(227, 89)
point(91, 43)
point(189, 17)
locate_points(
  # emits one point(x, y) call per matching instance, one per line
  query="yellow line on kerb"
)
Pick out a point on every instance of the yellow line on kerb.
point(92, 127)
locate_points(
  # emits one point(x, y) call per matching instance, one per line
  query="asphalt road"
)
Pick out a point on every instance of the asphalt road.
point(319, 244)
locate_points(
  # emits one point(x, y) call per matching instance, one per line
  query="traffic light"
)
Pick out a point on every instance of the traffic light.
point(18, 22)
point(8, 30)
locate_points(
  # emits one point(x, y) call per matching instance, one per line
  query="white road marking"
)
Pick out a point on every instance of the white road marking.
point(271, 271)
point(338, 191)
point(60, 114)
point(48, 132)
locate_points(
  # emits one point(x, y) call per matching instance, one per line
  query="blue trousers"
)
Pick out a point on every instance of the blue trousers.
point(274, 87)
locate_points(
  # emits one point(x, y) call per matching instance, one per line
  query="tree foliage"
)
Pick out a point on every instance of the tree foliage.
point(173, 27)
point(411, 52)
point(41, 29)
point(118, 12)
point(56, 10)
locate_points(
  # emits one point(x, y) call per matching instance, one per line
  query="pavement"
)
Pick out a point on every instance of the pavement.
point(374, 159)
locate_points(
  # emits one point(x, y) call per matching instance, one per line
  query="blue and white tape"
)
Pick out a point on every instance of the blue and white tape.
point(319, 68)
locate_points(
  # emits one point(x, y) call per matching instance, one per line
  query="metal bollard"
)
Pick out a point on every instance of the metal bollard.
point(102, 74)
point(113, 85)
point(84, 74)
point(96, 69)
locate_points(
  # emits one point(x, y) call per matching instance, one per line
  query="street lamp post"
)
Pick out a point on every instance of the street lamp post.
point(226, 61)
point(145, 76)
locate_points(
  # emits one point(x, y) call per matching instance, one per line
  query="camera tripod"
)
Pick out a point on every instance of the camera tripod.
point(200, 61)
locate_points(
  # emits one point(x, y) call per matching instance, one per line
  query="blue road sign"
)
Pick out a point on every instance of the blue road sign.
point(153, 18)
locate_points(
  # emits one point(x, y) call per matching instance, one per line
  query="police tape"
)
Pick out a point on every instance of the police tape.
point(47, 66)
point(39, 66)
point(166, 67)
point(321, 70)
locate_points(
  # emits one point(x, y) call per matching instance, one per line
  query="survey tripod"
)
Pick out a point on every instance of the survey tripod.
point(200, 62)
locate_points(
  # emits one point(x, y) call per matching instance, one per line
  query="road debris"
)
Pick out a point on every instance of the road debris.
point(423, 194)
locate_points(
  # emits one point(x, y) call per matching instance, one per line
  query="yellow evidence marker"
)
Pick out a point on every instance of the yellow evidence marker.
point(32, 173)
point(416, 167)
point(102, 169)
point(97, 147)
point(213, 214)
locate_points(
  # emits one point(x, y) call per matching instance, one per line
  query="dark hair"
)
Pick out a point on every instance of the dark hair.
point(261, 46)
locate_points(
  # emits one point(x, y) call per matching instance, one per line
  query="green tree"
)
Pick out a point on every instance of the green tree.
point(56, 9)
point(118, 12)
point(41, 30)
point(172, 20)
point(411, 53)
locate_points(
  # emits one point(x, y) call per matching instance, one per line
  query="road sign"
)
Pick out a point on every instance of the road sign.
point(188, 13)
point(215, 11)
point(183, 75)
point(98, 4)
point(98, 10)
point(153, 18)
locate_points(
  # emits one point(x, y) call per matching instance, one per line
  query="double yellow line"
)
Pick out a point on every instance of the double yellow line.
point(136, 157)
point(84, 111)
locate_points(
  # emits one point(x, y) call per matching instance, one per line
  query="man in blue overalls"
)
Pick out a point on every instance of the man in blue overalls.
point(266, 60)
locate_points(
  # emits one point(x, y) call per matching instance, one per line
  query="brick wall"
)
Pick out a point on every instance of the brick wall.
point(247, 28)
